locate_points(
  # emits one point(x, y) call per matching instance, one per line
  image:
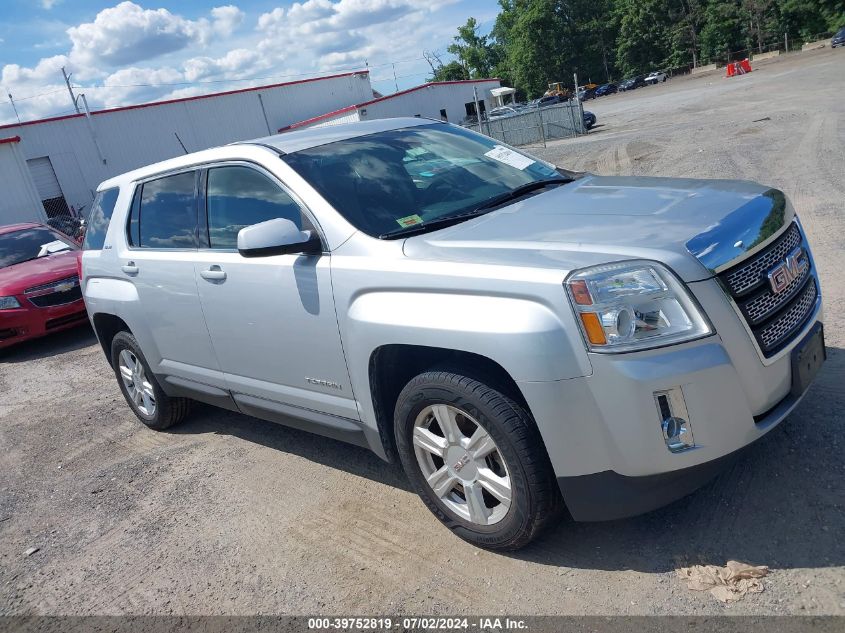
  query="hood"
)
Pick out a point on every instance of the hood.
point(693, 226)
point(15, 279)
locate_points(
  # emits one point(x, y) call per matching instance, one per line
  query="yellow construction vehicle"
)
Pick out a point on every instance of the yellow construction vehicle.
point(557, 89)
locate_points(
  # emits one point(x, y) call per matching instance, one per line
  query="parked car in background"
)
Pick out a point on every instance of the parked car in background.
point(632, 83)
point(518, 336)
point(39, 283)
point(838, 39)
point(549, 100)
point(585, 94)
point(589, 119)
point(501, 112)
point(606, 89)
point(656, 77)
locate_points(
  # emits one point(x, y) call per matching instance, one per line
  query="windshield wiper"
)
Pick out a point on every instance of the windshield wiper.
point(520, 191)
point(485, 207)
point(430, 225)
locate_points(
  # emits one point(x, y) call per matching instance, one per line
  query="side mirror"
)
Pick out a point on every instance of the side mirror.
point(276, 237)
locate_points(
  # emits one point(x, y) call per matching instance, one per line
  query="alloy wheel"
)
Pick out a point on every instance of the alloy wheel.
point(462, 464)
point(134, 378)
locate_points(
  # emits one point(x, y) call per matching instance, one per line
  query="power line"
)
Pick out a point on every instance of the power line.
point(41, 94)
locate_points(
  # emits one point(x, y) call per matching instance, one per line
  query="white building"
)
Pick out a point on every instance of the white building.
point(60, 161)
point(19, 201)
point(446, 100)
point(67, 157)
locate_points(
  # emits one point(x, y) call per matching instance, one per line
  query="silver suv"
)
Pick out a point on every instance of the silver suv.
point(523, 339)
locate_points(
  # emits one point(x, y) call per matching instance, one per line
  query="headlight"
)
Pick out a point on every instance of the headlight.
point(7, 303)
point(634, 305)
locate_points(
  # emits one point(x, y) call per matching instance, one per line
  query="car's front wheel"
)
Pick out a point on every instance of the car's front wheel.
point(476, 459)
point(140, 388)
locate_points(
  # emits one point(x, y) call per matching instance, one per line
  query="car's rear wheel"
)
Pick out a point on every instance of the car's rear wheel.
point(476, 459)
point(141, 389)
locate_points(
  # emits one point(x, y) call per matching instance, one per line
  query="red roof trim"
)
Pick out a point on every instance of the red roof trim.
point(11, 139)
point(184, 99)
point(329, 115)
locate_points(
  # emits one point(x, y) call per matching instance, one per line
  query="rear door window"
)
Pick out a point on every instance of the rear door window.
point(99, 219)
point(164, 214)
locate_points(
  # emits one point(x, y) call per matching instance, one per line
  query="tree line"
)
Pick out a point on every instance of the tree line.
point(534, 42)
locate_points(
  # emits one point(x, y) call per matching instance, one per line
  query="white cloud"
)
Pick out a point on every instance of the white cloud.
point(324, 16)
point(48, 69)
point(235, 64)
point(128, 33)
point(116, 56)
point(49, 4)
point(226, 19)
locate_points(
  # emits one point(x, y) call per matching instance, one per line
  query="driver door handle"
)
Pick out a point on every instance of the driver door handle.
point(214, 273)
point(129, 268)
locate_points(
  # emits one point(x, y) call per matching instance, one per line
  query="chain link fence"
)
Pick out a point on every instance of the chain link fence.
point(66, 219)
point(535, 126)
point(783, 44)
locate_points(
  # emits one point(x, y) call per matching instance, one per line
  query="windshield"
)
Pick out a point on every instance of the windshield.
point(405, 178)
point(21, 246)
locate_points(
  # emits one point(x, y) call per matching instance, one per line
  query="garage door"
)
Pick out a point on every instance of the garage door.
point(47, 186)
point(45, 178)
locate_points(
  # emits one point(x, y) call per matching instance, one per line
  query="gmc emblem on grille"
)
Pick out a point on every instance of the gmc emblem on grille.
point(790, 269)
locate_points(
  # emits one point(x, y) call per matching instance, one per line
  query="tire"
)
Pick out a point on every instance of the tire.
point(156, 409)
point(527, 498)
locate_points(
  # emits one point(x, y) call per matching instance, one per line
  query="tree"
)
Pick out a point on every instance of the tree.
point(453, 71)
point(536, 42)
point(685, 35)
point(473, 51)
point(644, 37)
point(533, 37)
point(723, 31)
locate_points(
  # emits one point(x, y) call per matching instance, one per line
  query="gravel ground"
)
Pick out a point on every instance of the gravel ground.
point(231, 515)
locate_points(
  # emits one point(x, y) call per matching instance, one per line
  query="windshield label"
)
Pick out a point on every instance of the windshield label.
point(409, 220)
point(509, 157)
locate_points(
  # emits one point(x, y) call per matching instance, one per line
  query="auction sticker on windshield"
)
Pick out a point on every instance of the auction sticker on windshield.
point(410, 220)
point(509, 157)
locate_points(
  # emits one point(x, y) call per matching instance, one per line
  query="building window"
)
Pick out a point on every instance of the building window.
point(443, 115)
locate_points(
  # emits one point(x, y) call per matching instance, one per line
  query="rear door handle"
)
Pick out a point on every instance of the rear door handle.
point(130, 268)
point(214, 273)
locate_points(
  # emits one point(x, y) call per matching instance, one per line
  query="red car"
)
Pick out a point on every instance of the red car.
point(39, 283)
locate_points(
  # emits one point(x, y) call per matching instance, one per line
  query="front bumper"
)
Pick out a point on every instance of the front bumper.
point(603, 434)
point(22, 324)
point(608, 495)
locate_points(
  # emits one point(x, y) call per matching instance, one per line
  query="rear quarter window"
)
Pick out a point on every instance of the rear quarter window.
point(99, 219)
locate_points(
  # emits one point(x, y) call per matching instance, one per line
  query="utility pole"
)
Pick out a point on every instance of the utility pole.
point(786, 42)
point(70, 90)
point(12, 101)
point(395, 83)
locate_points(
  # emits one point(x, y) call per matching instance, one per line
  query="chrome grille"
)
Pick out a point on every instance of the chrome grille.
point(767, 302)
point(55, 293)
point(790, 321)
point(750, 274)
point(773, 317)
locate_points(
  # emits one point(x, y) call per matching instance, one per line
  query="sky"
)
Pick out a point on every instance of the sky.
point(121, 53)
